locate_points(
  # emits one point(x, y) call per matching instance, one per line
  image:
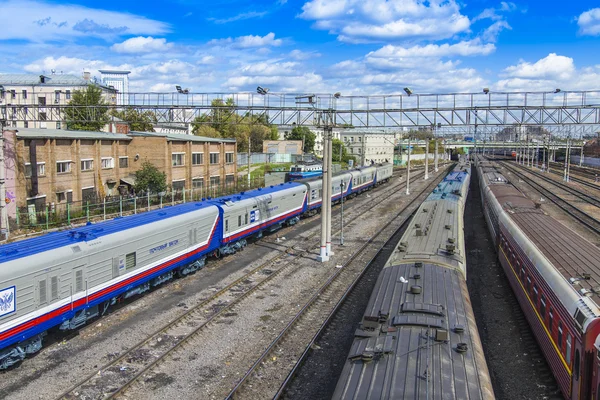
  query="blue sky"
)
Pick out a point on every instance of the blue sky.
point(350, 46)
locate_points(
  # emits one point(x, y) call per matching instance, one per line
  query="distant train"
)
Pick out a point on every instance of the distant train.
point(555, 274)
point(304, 171)
point(418, 338)
point(63, 279)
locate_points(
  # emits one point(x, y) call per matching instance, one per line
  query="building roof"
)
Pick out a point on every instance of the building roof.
point(176, 137)
point(34, 79)
point(35, 133)
point(111, 71)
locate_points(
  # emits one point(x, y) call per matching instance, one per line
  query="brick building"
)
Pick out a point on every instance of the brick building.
point(79, 165)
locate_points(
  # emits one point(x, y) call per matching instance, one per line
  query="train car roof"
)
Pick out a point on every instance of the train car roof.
point(55, 240)
point(571, 255)
point(407, 344)
point(255, 193)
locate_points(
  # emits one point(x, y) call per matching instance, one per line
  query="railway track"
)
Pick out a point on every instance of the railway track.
point(116, 376)
point(556, 168)
point(317, 308)
point(587, 220)
point(574, 191)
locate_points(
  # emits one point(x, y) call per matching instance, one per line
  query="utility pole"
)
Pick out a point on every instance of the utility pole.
point(408, 169)
point(426, 159)
point(342, 213)
point(329, 185)
point(249, 162)
point(325, 251)
point(435, 157)
point(3, 211)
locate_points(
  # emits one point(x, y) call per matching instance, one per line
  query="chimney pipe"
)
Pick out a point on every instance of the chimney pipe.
point(86, 75)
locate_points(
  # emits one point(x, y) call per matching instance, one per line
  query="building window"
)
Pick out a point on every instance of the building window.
point(178, 185)
point(26, 124)
point(42, 101)
point(197, 158)
point(58, 125)
point(215, 180)
point(87, 165)
point(359, 139)
point(352, 138)
point(68, 94)
point(198, 183)
point(41, 169)
point(24, 94)
point(14, 94)
point(177, 159)
point(57, 96)
point(61, 196)
point(43, 116)
point(214, 158)
point(229, 158)
point(229, 180)
point(63, 167)
point(108, 162)
point(123, 162)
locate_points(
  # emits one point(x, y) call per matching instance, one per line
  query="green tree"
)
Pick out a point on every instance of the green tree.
point(336, 145)
point(206, 131)
point(150, 178)
point(303, 133)
point(89, 111)
point(138, 121)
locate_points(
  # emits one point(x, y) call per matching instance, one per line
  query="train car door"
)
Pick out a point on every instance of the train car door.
point(577, 362)
point(80, 284)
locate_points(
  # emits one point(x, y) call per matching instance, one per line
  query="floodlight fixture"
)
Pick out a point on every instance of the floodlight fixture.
point(486, 90)
point(179, 89)
point(557, 90)
point(408, 91)
point(337, 95)
point(261, 90)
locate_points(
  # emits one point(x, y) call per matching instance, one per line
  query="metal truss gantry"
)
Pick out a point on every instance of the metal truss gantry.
point(378, 111)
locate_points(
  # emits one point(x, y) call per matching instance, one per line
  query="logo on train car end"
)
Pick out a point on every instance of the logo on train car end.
point(8, 300)
point(254, 216)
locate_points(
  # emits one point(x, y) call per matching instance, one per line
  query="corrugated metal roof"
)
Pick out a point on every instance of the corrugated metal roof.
point(405, 349)
point(33, 79)
point(33, 133)
point(184, 138)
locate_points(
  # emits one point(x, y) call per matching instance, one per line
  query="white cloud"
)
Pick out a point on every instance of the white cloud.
point(465, 48)
point(249, 41)
point(69, 65)
point(39, 21)
point(552, 66)
point(589, 22)
point(303, 55)
point(141, 44)
point(492, 32)
point(240, 17)
point(358, 21)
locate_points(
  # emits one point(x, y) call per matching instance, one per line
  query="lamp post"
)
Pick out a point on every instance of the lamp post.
point(3, 211)
point(408, 168)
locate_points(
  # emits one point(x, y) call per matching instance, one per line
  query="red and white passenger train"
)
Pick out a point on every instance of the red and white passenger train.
point(555, 274)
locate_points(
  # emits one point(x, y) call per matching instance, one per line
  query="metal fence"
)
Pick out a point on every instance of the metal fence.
point(272, 158)
point(53, 216)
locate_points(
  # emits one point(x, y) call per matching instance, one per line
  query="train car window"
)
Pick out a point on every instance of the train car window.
point(130, 260)
point(550, 321)
point(535, 295)
point(543, 307)
point(560, 335)
point(239, 220)
point(528, 287)
point(568, 347)
point(226, 225)
point(576, 366)
point(246, 219)
point(522, 274)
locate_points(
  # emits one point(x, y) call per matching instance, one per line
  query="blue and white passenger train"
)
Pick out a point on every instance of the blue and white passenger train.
point(61, 280)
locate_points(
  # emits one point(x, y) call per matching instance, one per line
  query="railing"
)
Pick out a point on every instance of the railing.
point(55, 216)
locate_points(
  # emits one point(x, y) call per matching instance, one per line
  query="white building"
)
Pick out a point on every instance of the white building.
point(118, 80)
point(318, 150)
point(20, 91)
point(369, 145)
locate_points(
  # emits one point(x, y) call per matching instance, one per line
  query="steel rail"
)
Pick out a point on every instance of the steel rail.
point(357, 209)
point(318, 294)
point(587, 220)
point(575, 192)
